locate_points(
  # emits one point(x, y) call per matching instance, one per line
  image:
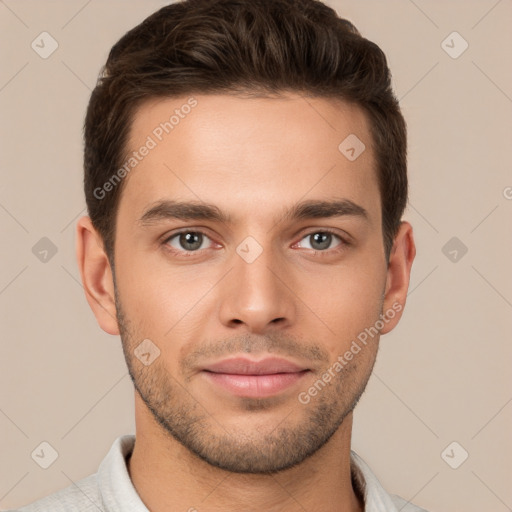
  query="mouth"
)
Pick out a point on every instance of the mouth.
point(254, 379)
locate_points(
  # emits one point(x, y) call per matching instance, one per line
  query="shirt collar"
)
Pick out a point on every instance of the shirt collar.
point(366, 484)
point(116, 488)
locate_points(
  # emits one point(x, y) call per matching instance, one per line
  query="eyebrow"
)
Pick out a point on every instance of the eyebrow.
point(196, 210)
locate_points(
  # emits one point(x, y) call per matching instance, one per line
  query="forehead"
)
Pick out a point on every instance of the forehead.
point(249, 155)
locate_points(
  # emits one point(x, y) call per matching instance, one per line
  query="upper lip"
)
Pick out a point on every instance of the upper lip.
point(243, 366)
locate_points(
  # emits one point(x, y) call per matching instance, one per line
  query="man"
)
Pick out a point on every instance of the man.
point(245, 177)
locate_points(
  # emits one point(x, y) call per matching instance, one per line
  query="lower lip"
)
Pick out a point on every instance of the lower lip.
point(255, 386)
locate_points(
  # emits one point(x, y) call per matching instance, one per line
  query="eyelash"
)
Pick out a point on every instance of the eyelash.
point(344, 243)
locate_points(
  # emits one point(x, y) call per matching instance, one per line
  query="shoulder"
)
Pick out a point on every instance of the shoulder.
point(111, 484)
point(83, 496)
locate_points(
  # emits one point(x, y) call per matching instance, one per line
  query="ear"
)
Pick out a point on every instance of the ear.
point(398, 275)
point(96, 273)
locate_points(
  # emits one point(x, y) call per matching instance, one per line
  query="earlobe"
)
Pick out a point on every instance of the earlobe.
point(398, 275)
point(96, 274)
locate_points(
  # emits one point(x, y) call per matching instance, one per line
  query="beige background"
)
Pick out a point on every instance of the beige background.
point(443, 375)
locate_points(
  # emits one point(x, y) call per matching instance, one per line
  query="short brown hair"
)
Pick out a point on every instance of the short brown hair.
point(231, 46)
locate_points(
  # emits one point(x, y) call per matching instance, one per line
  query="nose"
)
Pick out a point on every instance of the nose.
point(258, 295)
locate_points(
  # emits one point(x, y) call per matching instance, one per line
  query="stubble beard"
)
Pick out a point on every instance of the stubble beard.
point(288, 443)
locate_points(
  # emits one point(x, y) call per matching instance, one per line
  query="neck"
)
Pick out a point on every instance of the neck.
point(169, 477)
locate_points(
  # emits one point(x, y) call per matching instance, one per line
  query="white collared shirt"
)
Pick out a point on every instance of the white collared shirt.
point(111, 489)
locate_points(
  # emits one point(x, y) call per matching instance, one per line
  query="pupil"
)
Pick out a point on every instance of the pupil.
point(191, 240)
point(323, 239)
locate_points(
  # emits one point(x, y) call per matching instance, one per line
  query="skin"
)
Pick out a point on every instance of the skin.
point(199, 445)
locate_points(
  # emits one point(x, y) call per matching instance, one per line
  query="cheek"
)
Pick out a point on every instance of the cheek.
point(163, 302)
point(348, 302)
point(144, 291)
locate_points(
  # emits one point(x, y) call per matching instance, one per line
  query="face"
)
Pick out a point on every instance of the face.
point(249, 255)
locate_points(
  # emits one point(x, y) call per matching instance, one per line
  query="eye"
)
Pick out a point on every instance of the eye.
point(188, 241)
point(322, 240)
